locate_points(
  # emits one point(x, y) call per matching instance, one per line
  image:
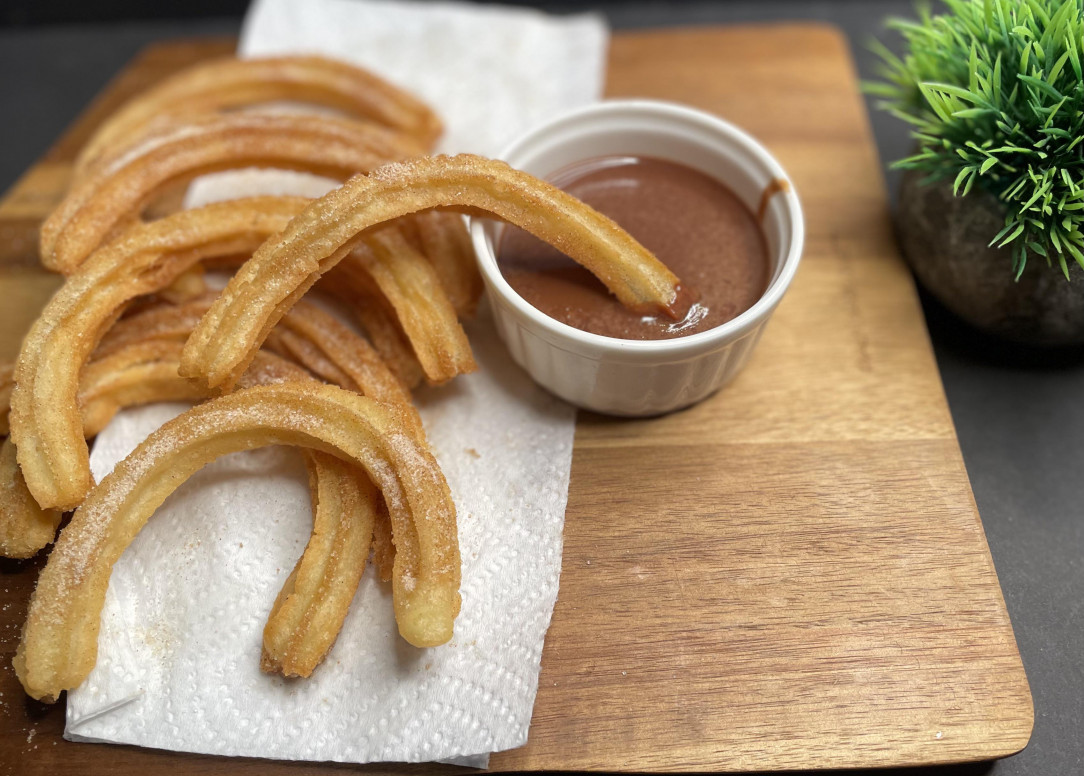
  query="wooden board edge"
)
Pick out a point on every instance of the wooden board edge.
point(162, 50)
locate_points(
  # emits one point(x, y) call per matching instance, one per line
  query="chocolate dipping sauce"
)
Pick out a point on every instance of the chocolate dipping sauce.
point(695, 225)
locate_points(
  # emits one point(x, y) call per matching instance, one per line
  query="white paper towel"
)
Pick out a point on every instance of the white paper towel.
point(178, 663)
point(490, 72)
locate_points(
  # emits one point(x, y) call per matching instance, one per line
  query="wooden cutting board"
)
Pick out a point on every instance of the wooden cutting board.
point(792, 574)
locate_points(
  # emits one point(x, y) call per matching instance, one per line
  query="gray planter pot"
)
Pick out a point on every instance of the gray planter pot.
point(944, 239)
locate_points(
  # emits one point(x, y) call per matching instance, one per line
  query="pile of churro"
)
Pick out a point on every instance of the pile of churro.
point(136, 322)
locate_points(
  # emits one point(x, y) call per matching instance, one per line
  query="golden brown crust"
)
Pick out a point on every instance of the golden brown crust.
point(309, 610)
point(330, 349)
point(286, 266)
point(115, 190)
point(138, 374)
point(59, 643)
point(301, 351)
point(44, 422)
point(425, 313)
point(24, 526)
point(445, 241)
point(230, 83)
point(156, 320)
point(347, 352)
point(350, 281)
point(383, 544)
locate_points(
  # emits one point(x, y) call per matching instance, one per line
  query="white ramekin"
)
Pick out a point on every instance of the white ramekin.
point(631, 377)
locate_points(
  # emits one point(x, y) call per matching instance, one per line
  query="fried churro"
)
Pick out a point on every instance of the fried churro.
point(24, 526)
point(59, 643)
point(114, 191)
point(425, 313)
point(351, 282)
point(45, 423)
point(309, 610)
point(138, 372)
point(230, 83)
point(444, 240)
point(284, 267)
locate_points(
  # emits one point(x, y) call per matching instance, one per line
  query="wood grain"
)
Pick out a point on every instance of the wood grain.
point(792, 574)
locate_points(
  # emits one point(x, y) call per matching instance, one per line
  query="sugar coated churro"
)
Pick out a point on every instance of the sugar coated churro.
point(45, 423)
point(113, 192)
point(230, 83)
point(59, 644)
point(284, 267)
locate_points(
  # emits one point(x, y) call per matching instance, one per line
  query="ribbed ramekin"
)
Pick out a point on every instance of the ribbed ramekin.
point(632, 377)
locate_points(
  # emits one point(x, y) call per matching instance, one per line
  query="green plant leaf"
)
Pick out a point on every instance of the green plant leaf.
point(994, 93)
point(1041, 85)
point(1019, 230)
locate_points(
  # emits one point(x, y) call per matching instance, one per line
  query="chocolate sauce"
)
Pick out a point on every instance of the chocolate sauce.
point(695, 225)
point(777, 186)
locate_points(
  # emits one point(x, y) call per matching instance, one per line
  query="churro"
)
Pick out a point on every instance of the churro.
point(24, 526)
point(286, 266)
point(114, 191)
point(314, 601)
point(157, 320)
point(309, 610)
point(425, 313)
point(444, 240)
point(59, 643)
point(138, 372)
point(230, 83)
point(45, 423)
point(351, 282)
point(347, 352)
point(188, 285)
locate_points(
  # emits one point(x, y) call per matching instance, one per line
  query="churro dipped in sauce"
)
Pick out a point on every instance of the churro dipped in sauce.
point(694, 224)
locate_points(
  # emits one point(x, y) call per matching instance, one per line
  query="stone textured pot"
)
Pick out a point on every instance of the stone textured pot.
point(945, 240)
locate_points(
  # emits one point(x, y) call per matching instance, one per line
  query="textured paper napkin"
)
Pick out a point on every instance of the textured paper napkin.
point(491, 72)
point(181, 631)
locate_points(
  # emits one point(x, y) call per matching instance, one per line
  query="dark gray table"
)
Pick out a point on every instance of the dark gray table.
point(1020, 428)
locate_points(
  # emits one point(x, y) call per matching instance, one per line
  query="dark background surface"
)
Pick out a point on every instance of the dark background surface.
point(1016, 412)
